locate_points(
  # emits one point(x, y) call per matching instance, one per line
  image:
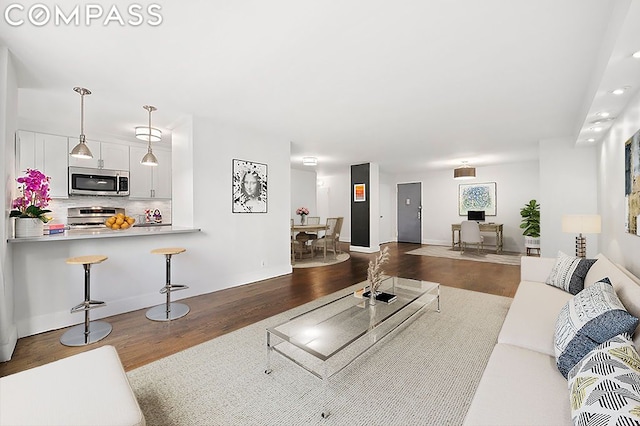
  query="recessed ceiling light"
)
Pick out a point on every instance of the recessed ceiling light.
point(596, 129)
point(591, 140)
point(309, 161)
point(603, 114)
point(636, 54)
point(620, 91)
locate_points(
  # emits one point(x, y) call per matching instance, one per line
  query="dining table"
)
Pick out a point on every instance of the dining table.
point(303, 237)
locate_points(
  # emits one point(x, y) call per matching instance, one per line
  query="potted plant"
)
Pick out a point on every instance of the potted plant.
point(29, 208)
point(531, 224)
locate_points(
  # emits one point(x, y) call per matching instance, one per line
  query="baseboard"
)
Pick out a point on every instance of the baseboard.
point(360, 249)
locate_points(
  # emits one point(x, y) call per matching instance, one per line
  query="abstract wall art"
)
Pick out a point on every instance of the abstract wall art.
point(632, 183)
point(477, 196)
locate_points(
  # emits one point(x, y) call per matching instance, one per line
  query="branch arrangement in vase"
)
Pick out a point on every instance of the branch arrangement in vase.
point(375, 272)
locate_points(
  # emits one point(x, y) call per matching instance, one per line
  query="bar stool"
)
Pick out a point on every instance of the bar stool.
point(90, 331)
point(170, 310)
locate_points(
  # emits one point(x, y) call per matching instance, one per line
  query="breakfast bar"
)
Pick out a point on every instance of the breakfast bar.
point(96, 233)
point(128, 280)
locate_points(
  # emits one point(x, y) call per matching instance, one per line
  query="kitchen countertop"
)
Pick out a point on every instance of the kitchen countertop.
point(93, 233)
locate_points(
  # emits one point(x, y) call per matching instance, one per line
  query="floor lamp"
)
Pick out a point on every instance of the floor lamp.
point(581, 224)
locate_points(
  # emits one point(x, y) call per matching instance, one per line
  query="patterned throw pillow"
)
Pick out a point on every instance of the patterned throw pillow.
point(568, 273)
point(591, 317)
point(604, 388)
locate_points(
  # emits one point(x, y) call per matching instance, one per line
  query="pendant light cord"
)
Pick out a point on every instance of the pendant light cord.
point(149, 146)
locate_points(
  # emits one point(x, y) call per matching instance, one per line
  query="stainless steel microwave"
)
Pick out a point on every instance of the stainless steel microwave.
point(88, 181)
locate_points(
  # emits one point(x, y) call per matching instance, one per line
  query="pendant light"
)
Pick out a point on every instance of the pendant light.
point(464, 172)
point(81, 150)
point(149, 159)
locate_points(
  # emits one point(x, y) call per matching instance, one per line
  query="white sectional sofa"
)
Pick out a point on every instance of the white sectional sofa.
point(521, 384)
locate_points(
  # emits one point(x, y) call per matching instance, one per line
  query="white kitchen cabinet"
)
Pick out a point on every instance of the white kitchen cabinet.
point(106, 155)
point(47, 153)
point(146, 181)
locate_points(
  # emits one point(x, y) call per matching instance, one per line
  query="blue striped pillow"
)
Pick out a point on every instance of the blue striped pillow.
point(591, 317)
point(568, 273)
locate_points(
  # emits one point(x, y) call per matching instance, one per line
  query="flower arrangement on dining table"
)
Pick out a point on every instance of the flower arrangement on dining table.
point(303, 212)
point(34, 196)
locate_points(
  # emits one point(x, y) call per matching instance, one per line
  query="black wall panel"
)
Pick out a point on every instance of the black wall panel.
point(360, 225)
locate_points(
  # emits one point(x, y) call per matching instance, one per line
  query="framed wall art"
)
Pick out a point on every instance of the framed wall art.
point(249, 191)
point(632, 183)
point(477, 196)
point(359, 192)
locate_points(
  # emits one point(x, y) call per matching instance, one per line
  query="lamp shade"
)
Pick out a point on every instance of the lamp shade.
point(582, 223)
point(464, 172)
point(149, 159)
point(81, 150)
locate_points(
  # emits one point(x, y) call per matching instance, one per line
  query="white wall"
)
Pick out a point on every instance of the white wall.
point(516, 184)
point(182, 172)
point(568, 185)
point(247, 247)
point(618, 245)
point(336, 199)
point(387, 209)
point(8, 108)
point(304, 193)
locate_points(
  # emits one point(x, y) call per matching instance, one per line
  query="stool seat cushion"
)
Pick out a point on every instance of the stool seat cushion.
point(90, 388)
point(168, 250)
point(87, 260)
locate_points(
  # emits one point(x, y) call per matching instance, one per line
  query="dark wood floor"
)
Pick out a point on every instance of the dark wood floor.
point(140, 341)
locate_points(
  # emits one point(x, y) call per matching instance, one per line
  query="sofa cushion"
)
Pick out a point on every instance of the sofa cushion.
point(531, 320)
point(533, 268)
point(604, 387)
point(626, 286)
point(89, 388)
point(520, 387)
point(569, 272)
point(591, 317)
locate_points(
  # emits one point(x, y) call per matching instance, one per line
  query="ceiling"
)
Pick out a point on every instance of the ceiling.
point(412, 85)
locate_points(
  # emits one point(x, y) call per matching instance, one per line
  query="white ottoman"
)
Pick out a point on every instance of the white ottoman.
point(90, 388)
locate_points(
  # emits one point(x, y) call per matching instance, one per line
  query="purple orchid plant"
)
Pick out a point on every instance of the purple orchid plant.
point(34, 198)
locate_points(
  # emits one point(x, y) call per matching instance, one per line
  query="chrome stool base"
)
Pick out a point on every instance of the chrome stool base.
point(160, 312)
point(169, 310)
point(76, 336)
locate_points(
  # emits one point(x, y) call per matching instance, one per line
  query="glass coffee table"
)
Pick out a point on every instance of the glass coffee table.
point(326, 339)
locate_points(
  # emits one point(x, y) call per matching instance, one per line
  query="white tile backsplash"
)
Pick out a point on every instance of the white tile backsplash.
point(133, 208)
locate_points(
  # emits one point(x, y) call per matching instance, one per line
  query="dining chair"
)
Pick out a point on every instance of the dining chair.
point(295, 244)
point(336, 240)
point(470, 234)
point(330, 238)
point(313, 220)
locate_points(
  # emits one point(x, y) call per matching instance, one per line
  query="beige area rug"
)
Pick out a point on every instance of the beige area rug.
point(318, 260)
point(424, 374)
point(505, 258)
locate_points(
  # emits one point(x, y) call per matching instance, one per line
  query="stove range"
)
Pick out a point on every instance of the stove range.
point(90, 217)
